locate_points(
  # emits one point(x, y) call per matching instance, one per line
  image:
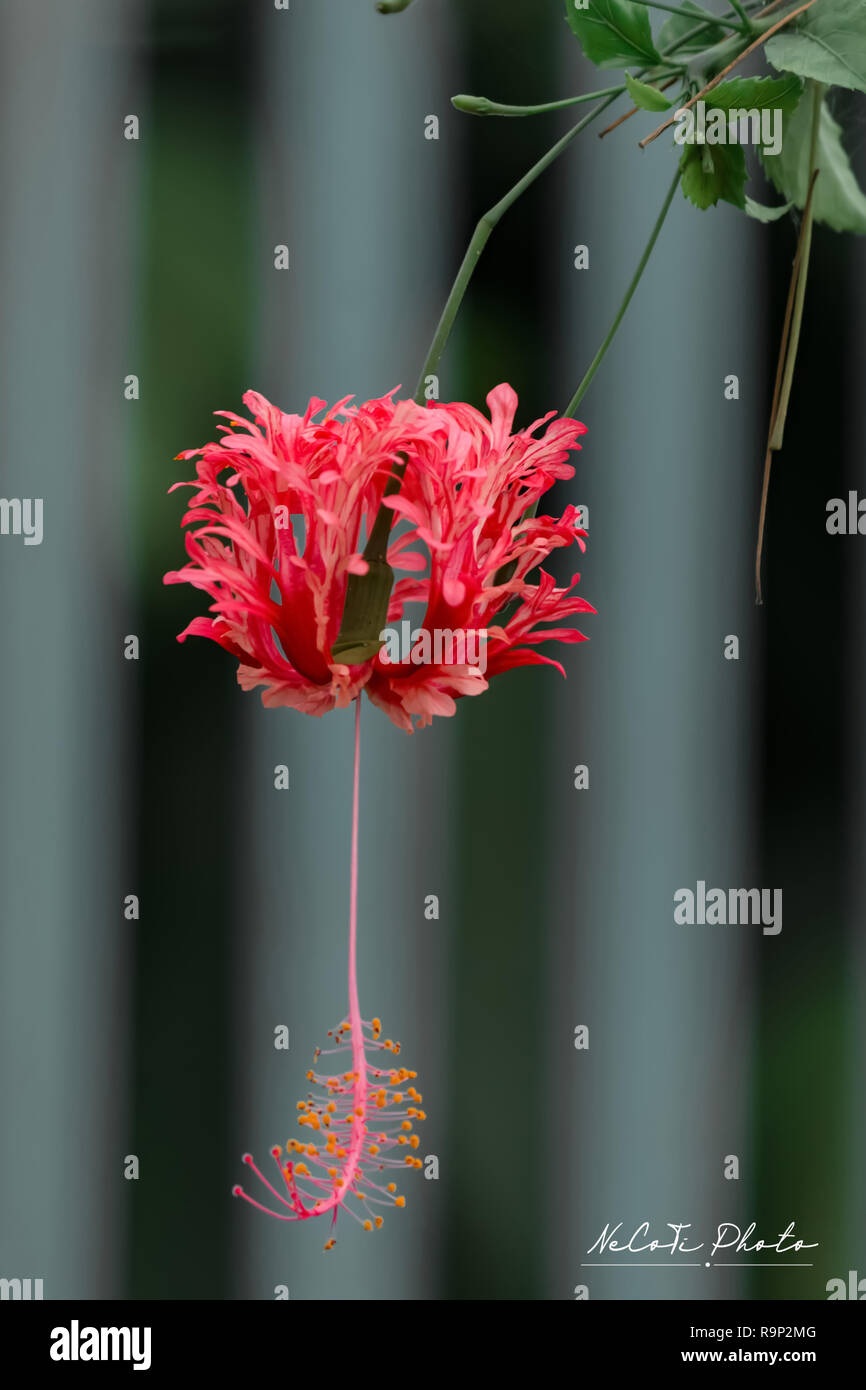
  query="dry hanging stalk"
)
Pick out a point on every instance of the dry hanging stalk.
point(790, 336)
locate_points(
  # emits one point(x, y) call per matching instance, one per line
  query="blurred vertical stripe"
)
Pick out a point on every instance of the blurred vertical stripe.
point(70, 699)
point(195, 330)
point(497, 1153)
point(665, 724)
point(806, 1005)
point(855, 764)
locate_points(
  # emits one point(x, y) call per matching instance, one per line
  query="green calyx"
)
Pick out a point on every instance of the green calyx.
point(365, 611)
point(365, 614)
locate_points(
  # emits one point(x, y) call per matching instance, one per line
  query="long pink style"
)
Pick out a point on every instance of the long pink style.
point(359, 1058)
point(341, 1107)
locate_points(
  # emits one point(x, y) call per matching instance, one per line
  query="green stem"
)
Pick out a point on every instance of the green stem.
point(671, 49)
point(483, 106)
point(736, 5)
point(797, 319)
point(481, 235)
point(504, 574)
point(696, 13)
point(392, 6)
point(489, 220)
point(635, 281)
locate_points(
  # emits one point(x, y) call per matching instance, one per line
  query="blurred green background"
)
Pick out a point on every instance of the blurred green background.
point(155, 257)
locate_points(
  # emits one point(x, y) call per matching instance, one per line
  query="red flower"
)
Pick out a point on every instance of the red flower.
point(274, 542)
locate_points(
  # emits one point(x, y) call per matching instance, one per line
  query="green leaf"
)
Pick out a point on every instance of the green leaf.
point(757, 94)
point(828, 44)
point(762, 213)
point(711, 173)
point(677, 26)
point(838, 200)
point(613, 33)
point(646, 97)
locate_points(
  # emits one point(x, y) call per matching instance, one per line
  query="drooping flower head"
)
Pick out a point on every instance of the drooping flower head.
point(281, 504)
point(276, 521)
